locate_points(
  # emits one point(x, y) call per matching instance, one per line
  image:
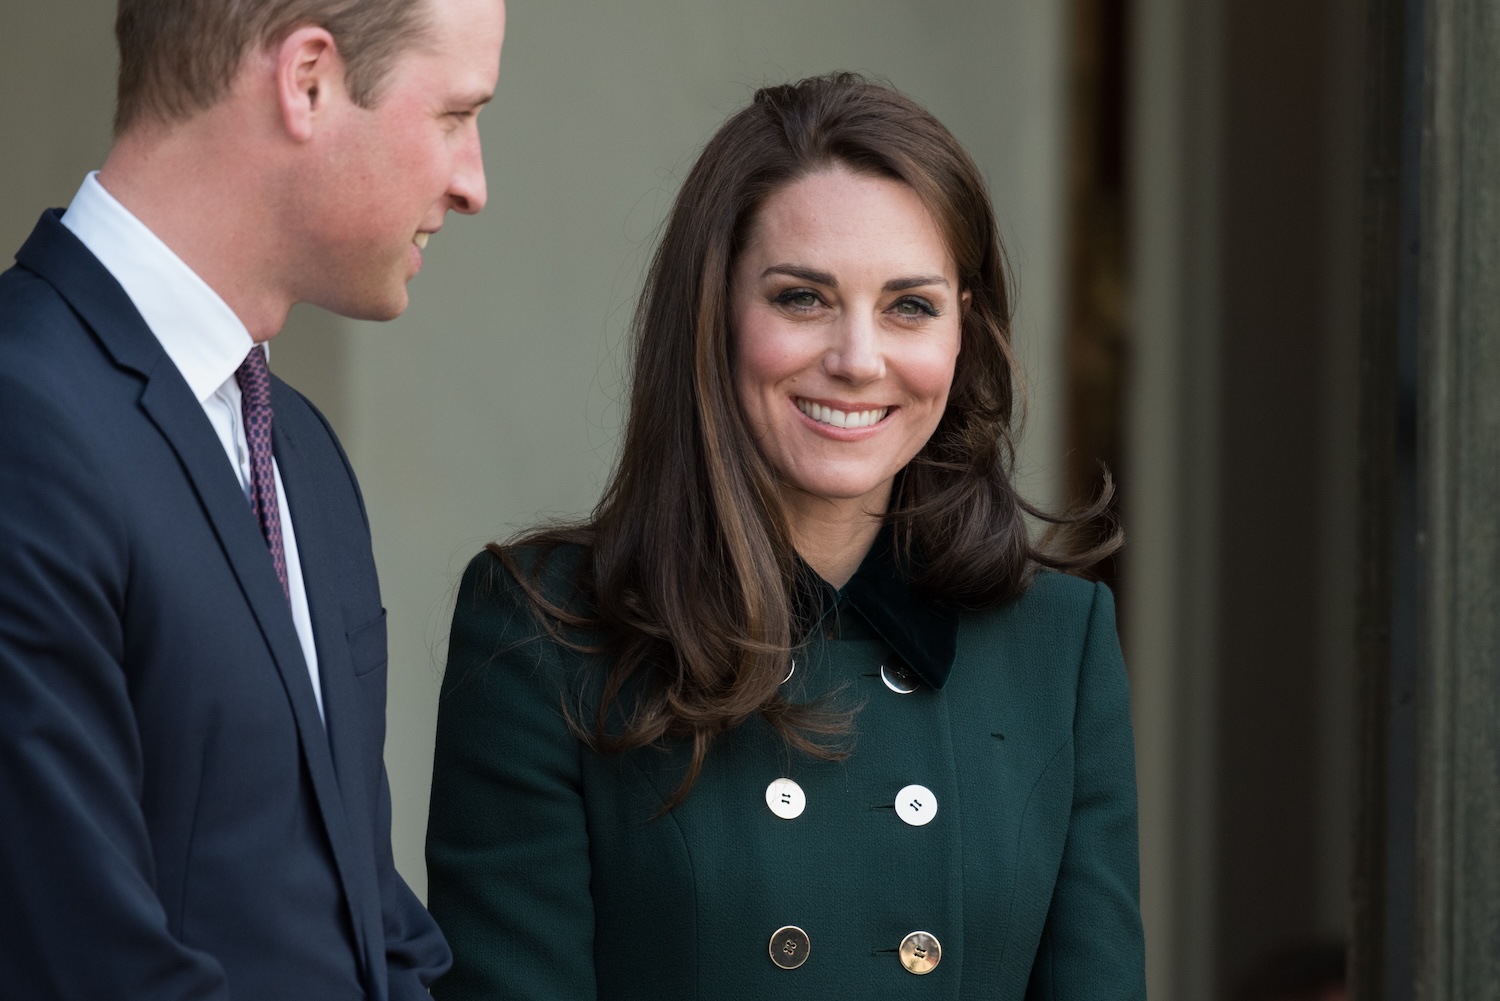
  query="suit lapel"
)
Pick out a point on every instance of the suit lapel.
point(335, 668)
point(203, 458)
point(175, 411)
point(55, 254)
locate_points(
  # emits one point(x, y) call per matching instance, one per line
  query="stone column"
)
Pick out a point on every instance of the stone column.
point(1427, 901)
point(1458, 504)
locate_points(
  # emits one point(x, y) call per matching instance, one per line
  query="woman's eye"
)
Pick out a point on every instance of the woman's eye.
point(798, 298)
point(911, 306)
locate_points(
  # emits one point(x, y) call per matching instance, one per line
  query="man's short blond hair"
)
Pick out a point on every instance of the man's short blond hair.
point(179, 57)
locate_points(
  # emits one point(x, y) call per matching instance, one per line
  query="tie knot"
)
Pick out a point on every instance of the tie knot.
point(254, 378)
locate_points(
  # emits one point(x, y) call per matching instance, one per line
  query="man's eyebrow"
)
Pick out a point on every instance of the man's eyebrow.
point(475, 100)
point(916, 281)
point(806, 274)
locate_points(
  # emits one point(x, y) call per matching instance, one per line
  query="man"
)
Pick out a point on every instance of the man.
point(192, 644)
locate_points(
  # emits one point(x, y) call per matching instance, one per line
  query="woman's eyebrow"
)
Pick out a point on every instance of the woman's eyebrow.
point(824, 278)
point(806, 274)
point(916, 281)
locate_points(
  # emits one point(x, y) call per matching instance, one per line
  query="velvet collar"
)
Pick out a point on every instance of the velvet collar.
point(921, 630)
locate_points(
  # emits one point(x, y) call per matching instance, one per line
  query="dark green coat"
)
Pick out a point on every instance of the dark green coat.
point(552, 881)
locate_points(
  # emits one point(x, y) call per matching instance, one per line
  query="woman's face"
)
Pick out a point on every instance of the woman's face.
point(845, 310)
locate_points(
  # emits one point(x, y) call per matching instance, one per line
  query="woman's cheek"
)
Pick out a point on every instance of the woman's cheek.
point(931, 375)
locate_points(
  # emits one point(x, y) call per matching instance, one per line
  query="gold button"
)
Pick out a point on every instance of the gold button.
point(921, 952)
point(790, 947)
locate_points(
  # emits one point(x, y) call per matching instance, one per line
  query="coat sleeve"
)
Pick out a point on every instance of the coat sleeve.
point(81, 916)
point(1092, 945)
point(507, 839)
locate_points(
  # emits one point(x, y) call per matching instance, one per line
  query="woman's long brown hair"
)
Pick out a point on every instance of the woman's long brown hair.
point(688, 569)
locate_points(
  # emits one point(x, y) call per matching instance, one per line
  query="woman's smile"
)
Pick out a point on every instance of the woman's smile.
point(845, 417)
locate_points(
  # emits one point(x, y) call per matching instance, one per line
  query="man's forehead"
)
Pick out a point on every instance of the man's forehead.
point(464, 37)
point(480, 22)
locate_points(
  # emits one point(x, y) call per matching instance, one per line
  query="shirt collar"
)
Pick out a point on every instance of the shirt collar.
point(197, 329)
point(923, 631)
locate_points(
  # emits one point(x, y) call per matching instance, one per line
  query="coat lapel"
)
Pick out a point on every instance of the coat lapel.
point(921, 630)
point(54, 253)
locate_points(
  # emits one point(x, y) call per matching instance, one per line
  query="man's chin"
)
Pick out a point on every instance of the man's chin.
point(387, 312)
point(373, 307)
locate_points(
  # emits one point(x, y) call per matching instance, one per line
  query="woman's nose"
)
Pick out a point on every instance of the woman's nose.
point(854, 354)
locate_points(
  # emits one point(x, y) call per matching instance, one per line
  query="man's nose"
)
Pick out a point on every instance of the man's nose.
point(467, 191)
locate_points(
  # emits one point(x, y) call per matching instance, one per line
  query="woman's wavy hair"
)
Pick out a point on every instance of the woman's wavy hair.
point(688, 574)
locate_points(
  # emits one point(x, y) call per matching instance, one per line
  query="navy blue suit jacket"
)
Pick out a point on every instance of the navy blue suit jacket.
point(175, 820)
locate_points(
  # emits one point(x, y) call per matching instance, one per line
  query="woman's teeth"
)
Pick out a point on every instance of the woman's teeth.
point(421, 240)
point(840, 419)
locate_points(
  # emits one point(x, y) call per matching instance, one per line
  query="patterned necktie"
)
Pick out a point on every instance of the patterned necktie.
point(255, 402)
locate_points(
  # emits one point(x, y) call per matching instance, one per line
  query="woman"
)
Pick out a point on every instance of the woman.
point(795, 714)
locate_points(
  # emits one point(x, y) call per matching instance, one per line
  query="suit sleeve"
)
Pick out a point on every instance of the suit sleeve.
point(415, 951)
point(81, 916)
point(507, 841)
point(1092, 944)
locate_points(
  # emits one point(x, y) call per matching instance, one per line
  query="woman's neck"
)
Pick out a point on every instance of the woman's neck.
point(832, 536)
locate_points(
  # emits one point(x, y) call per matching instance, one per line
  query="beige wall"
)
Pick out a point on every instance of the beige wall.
point(57, 63)
point(494, 400)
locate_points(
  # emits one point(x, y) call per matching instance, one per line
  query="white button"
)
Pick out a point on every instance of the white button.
point(786, 799)
point(915, 804)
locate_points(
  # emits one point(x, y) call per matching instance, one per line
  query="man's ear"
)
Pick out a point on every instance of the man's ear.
point(309, 75)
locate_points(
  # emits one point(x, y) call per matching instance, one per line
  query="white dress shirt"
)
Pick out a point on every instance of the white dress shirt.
point(205, 340)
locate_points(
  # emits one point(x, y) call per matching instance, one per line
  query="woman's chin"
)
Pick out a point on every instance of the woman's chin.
point(856, 493)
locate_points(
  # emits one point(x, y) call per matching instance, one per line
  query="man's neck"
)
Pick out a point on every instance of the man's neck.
point(196, 202)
